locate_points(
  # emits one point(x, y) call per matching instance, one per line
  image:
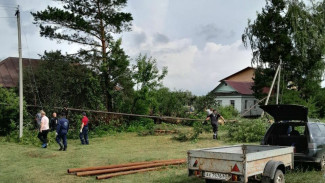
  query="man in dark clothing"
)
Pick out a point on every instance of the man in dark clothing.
point(54, 122)
point(84, 129)
point(62, 130)
point(214, 122)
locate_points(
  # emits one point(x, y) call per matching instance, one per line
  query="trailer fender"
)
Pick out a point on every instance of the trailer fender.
point(271, 167)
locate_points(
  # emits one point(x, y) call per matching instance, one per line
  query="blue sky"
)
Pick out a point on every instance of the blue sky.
point(199, 41)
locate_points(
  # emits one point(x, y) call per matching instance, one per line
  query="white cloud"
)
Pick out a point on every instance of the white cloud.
point(191, 68)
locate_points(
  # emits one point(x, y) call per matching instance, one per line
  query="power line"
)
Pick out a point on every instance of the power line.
point(7, 17)
point(8, 7)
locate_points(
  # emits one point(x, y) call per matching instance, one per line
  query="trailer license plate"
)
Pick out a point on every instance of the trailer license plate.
point(220, 176)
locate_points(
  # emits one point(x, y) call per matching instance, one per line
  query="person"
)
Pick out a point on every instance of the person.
point(38, 118)
point(54, 122)
point(84, 129)
point(62, 130)
point(209, 111)
point(44, 129)
point(214, 122)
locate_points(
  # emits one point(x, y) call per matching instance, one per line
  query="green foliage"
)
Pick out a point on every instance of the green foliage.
point(62, 81)
point(146, 73)
point(246, 130)
point(162, 126)
point(83, 23)
point(198, 128)
point(228, 112)
point(294, 97)
point(204, 102)
point(140, 125)
point(9, 111)
point(292, 32)
point(147, 78)
point(171, 103)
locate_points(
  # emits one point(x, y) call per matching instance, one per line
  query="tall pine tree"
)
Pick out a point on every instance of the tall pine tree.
point(91, 23)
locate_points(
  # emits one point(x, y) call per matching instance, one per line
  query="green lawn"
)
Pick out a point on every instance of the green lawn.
point(22, 163)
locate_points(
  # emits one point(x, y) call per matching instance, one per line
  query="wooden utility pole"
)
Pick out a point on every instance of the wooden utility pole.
point(278, 87)
point(20, 76)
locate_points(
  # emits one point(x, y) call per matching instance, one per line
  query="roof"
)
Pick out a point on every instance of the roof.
point(9, 70)
point(243, 75)
point(244, 88)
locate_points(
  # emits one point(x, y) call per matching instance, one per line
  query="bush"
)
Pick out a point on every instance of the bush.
point(246, 130)
point(9, 110)
point(198, 128)
point(140, 125)
point(228, 112)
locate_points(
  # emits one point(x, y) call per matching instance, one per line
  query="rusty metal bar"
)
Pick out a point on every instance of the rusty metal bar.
point(106, 176)
point(137, 167)
point(73, 170)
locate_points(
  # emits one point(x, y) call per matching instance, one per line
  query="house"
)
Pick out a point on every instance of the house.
point(9, 70)
point(236, 90)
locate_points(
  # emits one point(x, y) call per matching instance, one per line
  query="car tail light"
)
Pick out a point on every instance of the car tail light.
point(234, 177)
point(197, 173)
point(312, 145)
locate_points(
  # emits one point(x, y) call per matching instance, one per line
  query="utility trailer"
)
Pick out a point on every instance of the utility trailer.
point(239, 163)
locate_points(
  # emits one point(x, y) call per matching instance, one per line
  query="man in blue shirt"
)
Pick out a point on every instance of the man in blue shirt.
point(62, 130)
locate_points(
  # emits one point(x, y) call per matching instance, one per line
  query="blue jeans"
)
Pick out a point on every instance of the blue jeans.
point(63, 137)
point(84, 135)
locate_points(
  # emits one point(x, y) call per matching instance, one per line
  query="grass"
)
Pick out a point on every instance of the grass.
point(23, 163)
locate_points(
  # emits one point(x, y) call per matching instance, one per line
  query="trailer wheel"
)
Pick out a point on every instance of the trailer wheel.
point(278, 177)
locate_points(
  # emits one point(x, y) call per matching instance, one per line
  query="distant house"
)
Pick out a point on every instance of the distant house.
point(236, 90)
point(9, 70)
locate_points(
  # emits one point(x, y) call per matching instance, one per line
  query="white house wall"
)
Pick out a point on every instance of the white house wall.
point(240, 104)
point(250, 103)
point(225, 101)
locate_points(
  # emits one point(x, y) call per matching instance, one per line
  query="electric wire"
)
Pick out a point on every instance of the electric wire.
point(32, 72)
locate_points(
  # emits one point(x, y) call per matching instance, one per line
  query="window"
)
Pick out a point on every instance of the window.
point(255, 102)
point(232, 102)
point(246, 101)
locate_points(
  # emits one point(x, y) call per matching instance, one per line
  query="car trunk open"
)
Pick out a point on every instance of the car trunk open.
point(281, 134)
point(290, 127)
point(287, 112)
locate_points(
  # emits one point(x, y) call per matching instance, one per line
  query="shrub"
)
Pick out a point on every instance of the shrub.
point(140, 125)
point(198, 128)
point(246, 130)
point(9, 110)
point(228, 112)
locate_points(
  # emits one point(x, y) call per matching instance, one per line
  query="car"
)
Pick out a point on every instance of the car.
point(291, 127)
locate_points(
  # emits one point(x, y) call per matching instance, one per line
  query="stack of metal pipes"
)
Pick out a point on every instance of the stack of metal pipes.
point(109, 171)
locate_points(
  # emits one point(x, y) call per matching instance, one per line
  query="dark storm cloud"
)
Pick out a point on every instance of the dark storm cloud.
point(161, 38)
point(210, 32)
point(140, 38)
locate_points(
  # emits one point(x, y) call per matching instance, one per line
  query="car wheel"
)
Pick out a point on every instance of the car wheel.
point(278, 177)
point(321, 164)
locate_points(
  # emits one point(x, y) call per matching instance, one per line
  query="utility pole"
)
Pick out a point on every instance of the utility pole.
point(268, 96)
point(20, 76)
point(278, 87)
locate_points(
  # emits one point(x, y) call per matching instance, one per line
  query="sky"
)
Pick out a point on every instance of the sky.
point(199, 41)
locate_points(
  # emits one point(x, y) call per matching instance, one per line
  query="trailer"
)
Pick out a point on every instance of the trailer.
point(240, 163)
